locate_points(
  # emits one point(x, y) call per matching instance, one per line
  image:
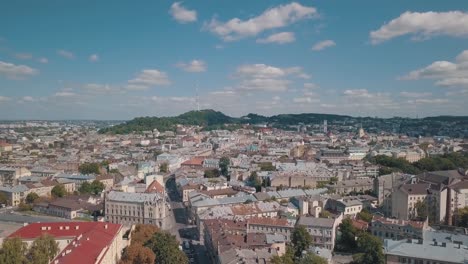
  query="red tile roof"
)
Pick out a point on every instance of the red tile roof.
point(90, 239)
point(155, 186)
point(194, 162)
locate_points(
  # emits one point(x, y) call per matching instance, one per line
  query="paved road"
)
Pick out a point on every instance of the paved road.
point(181, 228)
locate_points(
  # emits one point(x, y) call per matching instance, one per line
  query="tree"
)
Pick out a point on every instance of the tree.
point(164, 167)
point(143, 233)
point(138, 254)
point(13, 251)
point(214, 173)
point(421, 210)
point(58, 191)
point(43, 250)
point(89, 168)
point(347, 240)
point(224, 163)
point(311, 258)
point(365, 215)
point(166, 249)
point(325, 214)
point(287, 258)
point(370, 248)
point(31, 197)
point(3, 198)
point(461, 217)
point(301, 240)
point(95, 187)
point(255, 181)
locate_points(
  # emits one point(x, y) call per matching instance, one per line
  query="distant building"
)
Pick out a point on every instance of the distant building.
point(322, 230)
point(395, 229)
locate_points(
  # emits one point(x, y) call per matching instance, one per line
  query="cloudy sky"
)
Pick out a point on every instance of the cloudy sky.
point(121, 59)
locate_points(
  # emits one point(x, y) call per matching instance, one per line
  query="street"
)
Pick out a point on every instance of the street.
point(178, 225)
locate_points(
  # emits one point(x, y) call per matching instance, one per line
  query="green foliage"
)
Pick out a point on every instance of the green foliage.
point(23, 207)
point(3, 198)
point(95, 187)
point(166, 249)
point(325, 214)
point(449, 161)
point(43, 250)
point(421, 210)
point(255, 181)
point(370, 248)
point(31, 197)
point(89, 168)
point(267, 166)
point(347, 240)
point(287, 258)
point(224, 163)
point(365, 215)
point(164, 167)
point(461, 217)
point(214, 173)
point(311, 258)
point(13, 251)
point(58, 191)
point(301, 240)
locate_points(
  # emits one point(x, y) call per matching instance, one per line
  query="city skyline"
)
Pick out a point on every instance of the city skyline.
point(92, 60)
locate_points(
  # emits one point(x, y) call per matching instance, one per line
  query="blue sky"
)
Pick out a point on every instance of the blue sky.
point(118, 59)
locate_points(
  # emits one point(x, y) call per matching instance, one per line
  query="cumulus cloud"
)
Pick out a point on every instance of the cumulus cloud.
point(262, 77)
point(446, 73)
point(302, 100)
point(310, 86)
point(24, 56)
point(17, 72)
point(428, 101)
point(28, 99)
point(272, 18)
point(323, 45)
point(93, 58)
point(181, 14)
point(423, 26)
point(97, 88)
point(358, 93)
point(192, 66)
point(148, 78)
point(64, 94)
point(66, 54)
point(278, 38)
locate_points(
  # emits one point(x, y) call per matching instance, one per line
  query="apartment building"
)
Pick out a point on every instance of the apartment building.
point(405, 198)
point(322, 230)
point(396, 229)
point(135, 208)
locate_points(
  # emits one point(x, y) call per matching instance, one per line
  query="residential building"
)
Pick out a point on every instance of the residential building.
point(396, 229)
point(405, 198)
point(322, 230)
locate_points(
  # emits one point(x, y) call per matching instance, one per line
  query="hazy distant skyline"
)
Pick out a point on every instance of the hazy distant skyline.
point(121, 59)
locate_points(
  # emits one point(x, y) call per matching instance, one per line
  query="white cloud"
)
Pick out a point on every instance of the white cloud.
point(181, 99)
point(279, 38)
point(66, 54)
point(148, 78)
point(358, 93)
point(16, 72)
point(4, 99)
point(266, 85)
point(28, 99)
point(193, 66)
point(415, 94)
point(24, 56)
point(323, 45)
point(272, 18)
point(446, 73)
point(310, 86)
point(428, 101)
point(302, 100)
point(43, 60)
point(223, 93)
point(181, 14)
point(93, 58)
point(64, 94)
point(96, 88)
point(276, 98)
point(423, 26)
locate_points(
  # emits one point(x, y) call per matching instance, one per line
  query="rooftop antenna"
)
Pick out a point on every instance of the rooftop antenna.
point(198, 100)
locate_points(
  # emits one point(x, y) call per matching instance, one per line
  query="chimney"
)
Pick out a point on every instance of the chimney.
point(105, 226)
point(77, 227)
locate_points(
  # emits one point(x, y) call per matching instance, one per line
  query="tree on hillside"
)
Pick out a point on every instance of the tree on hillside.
point(43, 250)
point(95, 187)
point(287, 258)
point(3, 198)
point(461, 217)
point(137, 254)
point(58, 191)
point(143, 233)
point(214, 173)
point(421, 210)
point(301, 240)
point(365, 215)
point(13, 251)
point(89, 168)
point(31, 197)
point(166, 249)
point(255, 181)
